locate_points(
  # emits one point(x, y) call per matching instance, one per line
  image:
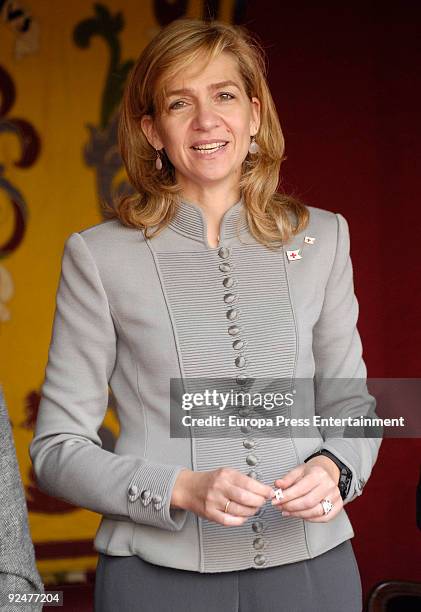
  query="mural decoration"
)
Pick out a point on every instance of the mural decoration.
point(101, 152)
point(30, 144)
point(17, 17)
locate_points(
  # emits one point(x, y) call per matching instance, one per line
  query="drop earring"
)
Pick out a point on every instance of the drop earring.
point(158, 161)
point(253, 147)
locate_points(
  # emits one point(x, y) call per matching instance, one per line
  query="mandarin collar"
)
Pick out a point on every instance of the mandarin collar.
point(189, 220)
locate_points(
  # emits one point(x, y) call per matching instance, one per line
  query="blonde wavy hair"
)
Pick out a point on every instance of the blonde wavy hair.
point(273, 217)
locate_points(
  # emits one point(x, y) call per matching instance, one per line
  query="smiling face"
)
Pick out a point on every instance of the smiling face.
point(206, 108)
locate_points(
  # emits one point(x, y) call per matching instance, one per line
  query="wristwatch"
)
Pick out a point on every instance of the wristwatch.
point(345, 473)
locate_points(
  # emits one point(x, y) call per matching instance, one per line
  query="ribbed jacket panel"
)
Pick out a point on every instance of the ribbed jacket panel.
point(197, 295)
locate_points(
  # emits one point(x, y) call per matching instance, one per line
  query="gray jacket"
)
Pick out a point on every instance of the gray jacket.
point(136, 313)
point(18, 571)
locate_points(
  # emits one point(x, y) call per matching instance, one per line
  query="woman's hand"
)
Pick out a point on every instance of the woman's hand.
point(206, 494)
point(306, 485)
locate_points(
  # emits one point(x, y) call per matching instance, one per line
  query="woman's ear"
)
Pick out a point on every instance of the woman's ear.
point(255, 115)
point(148, 128)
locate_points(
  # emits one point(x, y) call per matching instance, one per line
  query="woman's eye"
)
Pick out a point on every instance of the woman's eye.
point(225, 93)
point(176, 105)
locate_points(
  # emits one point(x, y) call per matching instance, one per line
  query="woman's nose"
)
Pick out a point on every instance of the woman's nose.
point(205, 117)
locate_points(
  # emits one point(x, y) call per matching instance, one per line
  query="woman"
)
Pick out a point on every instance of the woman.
point(206, 271)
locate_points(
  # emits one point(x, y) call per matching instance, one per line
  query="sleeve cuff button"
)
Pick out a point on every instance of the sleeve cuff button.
point(133, 493)
point(158, 502)
point(146, 497)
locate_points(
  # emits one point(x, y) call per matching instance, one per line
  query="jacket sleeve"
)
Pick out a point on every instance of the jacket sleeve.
point(66, 450)
point(18, 570)
point(340, 373)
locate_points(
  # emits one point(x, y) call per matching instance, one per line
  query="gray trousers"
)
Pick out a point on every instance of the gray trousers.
point(327, 583)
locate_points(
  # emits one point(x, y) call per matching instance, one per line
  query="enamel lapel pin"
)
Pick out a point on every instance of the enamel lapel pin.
point(295, 254)
point(309, 240)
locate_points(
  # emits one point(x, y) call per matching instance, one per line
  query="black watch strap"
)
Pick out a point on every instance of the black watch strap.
point(345, 476)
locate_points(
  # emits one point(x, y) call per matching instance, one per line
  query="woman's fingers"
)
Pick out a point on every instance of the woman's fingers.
point(309, 500)
point(316, 514)
point(239, 510)
point(245, 494)
point(304, 488)
point(242, 502)
point(292, 477)
point(307, 482)
point(227, 519)
point(254, 487)
point(301, 483)
point(309, 506)
point(245, 497)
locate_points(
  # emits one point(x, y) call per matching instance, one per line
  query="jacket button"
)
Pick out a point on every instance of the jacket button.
point(233, 330)
point(240, 362)
point(224, 252)
point(133, 493)
point(252, 459)
point(246, 429)
point(241, 379)
point(257, 526)
point(225, 267)
point(146, 497)
point(232, 314)
point(241, 402)
point(228, 282)
point(260, 512)
point(252, 474)
point(245, 411)
point(229, 298)
point(249, 443)
point(260, 559)
point(258, 543)
point(157, 501)
point(238, 344)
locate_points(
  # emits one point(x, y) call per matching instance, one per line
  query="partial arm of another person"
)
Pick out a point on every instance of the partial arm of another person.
point(18, 571)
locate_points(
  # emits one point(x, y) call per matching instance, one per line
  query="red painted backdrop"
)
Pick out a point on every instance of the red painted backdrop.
point(345, 79)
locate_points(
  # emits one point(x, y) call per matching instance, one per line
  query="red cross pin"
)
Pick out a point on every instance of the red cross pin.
point(293, 255)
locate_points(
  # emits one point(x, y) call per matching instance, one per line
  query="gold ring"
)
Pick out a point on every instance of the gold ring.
point(226, 505)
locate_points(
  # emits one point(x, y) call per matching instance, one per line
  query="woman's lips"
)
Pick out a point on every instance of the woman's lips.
point(210, 153)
